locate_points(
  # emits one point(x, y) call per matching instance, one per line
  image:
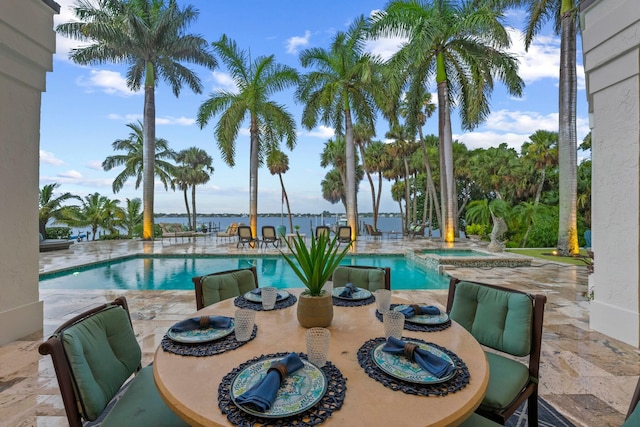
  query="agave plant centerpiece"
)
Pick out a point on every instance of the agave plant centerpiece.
point(314, 265)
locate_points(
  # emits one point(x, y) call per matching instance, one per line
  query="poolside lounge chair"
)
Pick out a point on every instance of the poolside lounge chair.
point(509, 322)
point(269, 236)
point(416, 230)
point(375, 234)
point(222, 285)
point(54, 244)
point(93, 355)
point(245, 237)
point(229, 233)
point(344, 234)
point(323, 229)
point(363, 276)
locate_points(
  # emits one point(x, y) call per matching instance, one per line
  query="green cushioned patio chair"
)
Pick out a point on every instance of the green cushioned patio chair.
point(510, 322)
point(93, 355)
point(633, 416)
point(362, 276)
point(222, 285)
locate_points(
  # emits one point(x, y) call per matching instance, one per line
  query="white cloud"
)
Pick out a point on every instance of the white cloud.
point(95, 164)
point(180, 121)
point(50, 158)
point(384, 47)
point(322, 132)
point(542, 60)
point(72, 174)
point(296, 42)
point(129, 118)
point(488, 139)
point(224, 81)
point(110, 82)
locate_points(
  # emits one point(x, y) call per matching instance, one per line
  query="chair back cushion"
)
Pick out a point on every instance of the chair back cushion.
point(102, 352)
point(367, 278)
point(219, 287)
point(498, 319)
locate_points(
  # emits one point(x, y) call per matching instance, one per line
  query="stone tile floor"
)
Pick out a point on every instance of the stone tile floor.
point(587, 376)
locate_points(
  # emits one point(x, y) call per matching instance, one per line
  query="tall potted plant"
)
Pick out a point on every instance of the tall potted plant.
point(314, 265)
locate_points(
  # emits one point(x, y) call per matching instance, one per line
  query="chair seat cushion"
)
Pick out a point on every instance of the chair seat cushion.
point(141, 405)
point(507, 378)
point(367, 278)
point(219, 287)
point(476, 420)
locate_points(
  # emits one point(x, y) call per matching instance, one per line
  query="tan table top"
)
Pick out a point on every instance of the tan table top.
point(189, 384)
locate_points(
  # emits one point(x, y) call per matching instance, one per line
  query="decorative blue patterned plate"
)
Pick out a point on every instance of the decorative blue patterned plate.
point(424, 319)
point(355, 296)
point(282, 294)
point(298, 392)
point(201, 335)
point(398, 366)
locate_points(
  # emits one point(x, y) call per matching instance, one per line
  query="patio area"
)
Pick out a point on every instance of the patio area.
point(585, 375)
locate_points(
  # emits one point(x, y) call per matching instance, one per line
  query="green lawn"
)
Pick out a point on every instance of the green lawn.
point(547, 255)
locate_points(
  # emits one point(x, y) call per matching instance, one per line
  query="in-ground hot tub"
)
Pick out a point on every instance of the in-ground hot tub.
point(440, 259)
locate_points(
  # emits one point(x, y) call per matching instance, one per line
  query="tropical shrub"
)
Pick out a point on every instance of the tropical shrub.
point(58, 233)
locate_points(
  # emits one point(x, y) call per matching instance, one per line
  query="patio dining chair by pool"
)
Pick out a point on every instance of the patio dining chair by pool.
point(509, 322)
point(323, 229)
point(230, 232)
point(372, 232)
point(344, 234)
point(363, 276)
point(245, 237)
point(93, 355)
point(222, 285)
point(269, 236)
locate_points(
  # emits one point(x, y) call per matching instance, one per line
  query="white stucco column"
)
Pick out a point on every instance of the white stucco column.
point(611, 49)
point(27, 43)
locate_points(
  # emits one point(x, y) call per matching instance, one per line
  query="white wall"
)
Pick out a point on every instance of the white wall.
point(27, 42)
point(611, 49)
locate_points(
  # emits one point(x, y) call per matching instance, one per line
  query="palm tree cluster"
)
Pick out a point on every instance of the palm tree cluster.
point(458, 47)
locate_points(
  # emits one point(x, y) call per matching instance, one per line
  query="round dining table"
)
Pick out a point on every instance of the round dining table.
point(189, 384)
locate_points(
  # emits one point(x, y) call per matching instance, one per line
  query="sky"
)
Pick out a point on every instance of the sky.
point(86, 108)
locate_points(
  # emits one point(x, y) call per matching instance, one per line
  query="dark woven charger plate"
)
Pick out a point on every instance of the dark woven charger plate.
point(242, 302)
point(341, 302)
point(418, 327)
point(459, 381)
point(330, 402)
point(210, 348)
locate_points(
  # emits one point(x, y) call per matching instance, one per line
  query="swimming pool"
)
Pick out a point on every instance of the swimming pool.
point(175, 273)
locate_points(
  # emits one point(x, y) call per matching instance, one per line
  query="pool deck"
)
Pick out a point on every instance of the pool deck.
point(587, 376)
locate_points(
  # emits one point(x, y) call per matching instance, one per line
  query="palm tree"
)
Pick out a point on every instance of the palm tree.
point(377, 160)
point(95, 211)
point(333, 188)
point(150, 37)
point(133, 160)
point(464, 47)
point(403, 148)
point(542, 149)
point(181, 180)
point(132, 216)
point(278, 164)
point(340, 92)
point(198, 164)
point(269, 122)
point(50, 205)
point(564, 14)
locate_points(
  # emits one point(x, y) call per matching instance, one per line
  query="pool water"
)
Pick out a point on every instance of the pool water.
point(175, 273)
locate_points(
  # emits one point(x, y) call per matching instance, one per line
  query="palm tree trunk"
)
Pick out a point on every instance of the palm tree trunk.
point(377, 202)
point(447, 228)
point(567, 139)
point(253, 176)
point(193, 203)
point(350, 188)
point(186, 203)
point(286, 198)
point(149, 152)
point(407, 193)
point(371, 185)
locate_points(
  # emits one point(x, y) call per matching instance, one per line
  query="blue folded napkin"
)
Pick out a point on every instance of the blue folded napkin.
point(204, 322)
point(263, 393)
point(349, 290)
point(414, 310)
point(437, 366)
